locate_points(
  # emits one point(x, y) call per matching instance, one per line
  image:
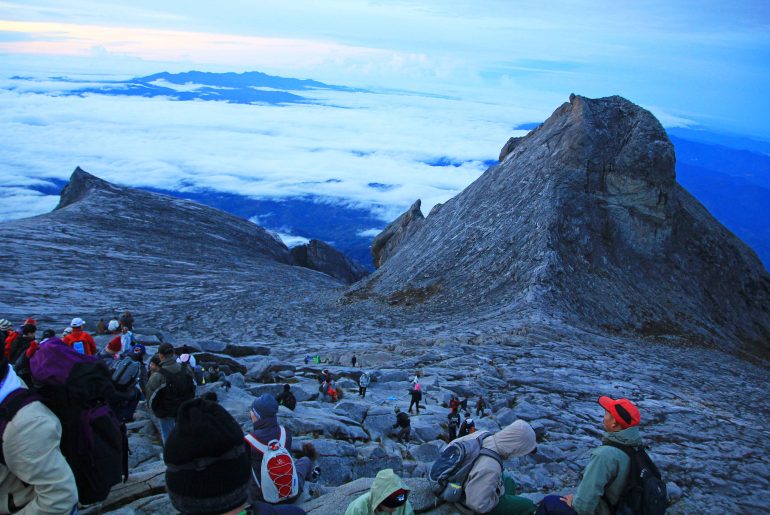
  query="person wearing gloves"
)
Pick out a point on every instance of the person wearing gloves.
point(388, 494)
point(487, 489)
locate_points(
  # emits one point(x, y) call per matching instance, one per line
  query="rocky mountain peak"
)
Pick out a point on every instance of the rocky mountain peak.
point(81, 183)
point(583, 221)
point(399, 230)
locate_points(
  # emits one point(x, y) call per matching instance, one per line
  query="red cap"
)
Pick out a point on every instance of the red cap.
point(30, 321)
point(622, 410)
point(115, 345)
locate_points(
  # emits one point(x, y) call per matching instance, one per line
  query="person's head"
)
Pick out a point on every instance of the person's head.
point(516, 439)
point(67, 330)
point(113, 347)
point(5, 324)
point(619, 414)
point(184, 358)
point(286, 387)
point(77, 323)
point(165, 351)
point(48, 333)
point(124, 329)
point(28, 330)
point(208, 467)
point(388, 492)
point(397, 409)
point(264, 406)
point(154, 362)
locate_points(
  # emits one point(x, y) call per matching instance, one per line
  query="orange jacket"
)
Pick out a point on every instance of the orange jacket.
point(12, 335)
point(78, 335)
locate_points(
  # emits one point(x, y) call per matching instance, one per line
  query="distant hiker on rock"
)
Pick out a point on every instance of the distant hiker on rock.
point(186, 356)
point(605, 477)
point(404, 426)
point(325, 377)
point(127, 339)
point(467, 427)
point(286, 398)
point(79, 339)
point(167, 388)
point(34, 475)
point(278, 476)
point(207, 464)
point(307, 359)
point(453, 422)
point(127, 320)
point(353, 361)
point(484, 487)
point(111, 351)
point(415, 395)
point(101, 327)
point(17, 346)
point(216, 375)
point(113, 327)
point(138, 352)
point(481, 405)
point(454, 404)
point(388, 494)
point(363, 383)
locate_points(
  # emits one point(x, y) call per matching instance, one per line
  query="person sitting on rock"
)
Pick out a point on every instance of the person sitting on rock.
point(265, 429)
point(127, 320)
point(214, 374)
point(286, 398)
point(605, 475)
point(404, 426)
point(487, 488)
point(388, 494)
point(101, 327)
point(468, 426)
point(453, 422)
point(208, 465)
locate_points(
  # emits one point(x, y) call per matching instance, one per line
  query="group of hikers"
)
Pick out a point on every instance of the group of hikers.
point(76, 401)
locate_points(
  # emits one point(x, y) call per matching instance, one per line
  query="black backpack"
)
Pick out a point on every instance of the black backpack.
point(125, 372)
point(179, 387)
point(76, 389)
point(645, 492)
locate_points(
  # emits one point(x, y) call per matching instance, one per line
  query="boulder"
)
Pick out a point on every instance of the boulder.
point(324, 258)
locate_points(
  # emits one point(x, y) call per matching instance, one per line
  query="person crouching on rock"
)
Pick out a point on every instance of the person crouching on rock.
point(207, 464)
point(388, 494)
point(269, 439)
point(404, 426)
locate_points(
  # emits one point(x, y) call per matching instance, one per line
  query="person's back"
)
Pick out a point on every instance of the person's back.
point(34, 476)
point(286, 398)
point(167, 388)
point(485, 489)
point(79, 339)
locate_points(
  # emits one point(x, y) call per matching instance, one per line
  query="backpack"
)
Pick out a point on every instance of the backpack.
point(179, 387)
point(124, 372)
point(76, 388)
point(645, 492)
point(19, 346)
point(448, 473)
point(364, 380)
point(278, 471)
point(288, 400)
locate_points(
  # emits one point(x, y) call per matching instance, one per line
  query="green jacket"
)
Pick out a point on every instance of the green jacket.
point(605, 475)
point(384, 484)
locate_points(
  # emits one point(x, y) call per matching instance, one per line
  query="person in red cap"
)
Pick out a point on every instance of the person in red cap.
point(607, 471)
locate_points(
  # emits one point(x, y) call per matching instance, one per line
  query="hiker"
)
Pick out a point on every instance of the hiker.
point(113, 327)
point(6, 327)
point(101, 327)
point(265, 432)
point(353, 360)
point(325, 377)
point(125, 373)
point(18, 346)
point(307, 359)
point(388, 494)
point(34, 475)
point(416, 396)
point(328, 391)
point(186, 356)
point(404, 425)
point(481, 405)
point(127, 320)
point(454, 404)
point(286, 398)
point(126, 339)
point(453, 422)
point(468, 426)
point(486, 488)
point(79, 339)
point(606, 474)
point(464, 404)
point(167, 388)
point(138, 352)
point(363, 382)
point(207, 464)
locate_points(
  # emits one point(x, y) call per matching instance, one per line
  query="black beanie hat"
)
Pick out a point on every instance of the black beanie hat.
point(207, 461)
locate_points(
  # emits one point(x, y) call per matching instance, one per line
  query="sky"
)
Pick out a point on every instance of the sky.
point(445, 79)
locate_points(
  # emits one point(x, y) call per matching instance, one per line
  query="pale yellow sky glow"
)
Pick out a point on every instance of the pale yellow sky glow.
point(45, 38)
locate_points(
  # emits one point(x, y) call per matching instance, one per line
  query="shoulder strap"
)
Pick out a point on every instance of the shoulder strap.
point(628, 449)
point(484, 451)
point(256, 443)
point(282, 439)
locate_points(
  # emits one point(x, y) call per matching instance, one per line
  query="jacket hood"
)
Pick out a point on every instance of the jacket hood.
point(385, 483)
point(630, 436)
point(517, 439)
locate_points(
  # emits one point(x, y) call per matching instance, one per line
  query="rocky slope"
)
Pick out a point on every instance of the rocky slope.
point(583, 220)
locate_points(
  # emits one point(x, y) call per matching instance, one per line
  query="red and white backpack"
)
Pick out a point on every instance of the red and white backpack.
point(278, 472)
